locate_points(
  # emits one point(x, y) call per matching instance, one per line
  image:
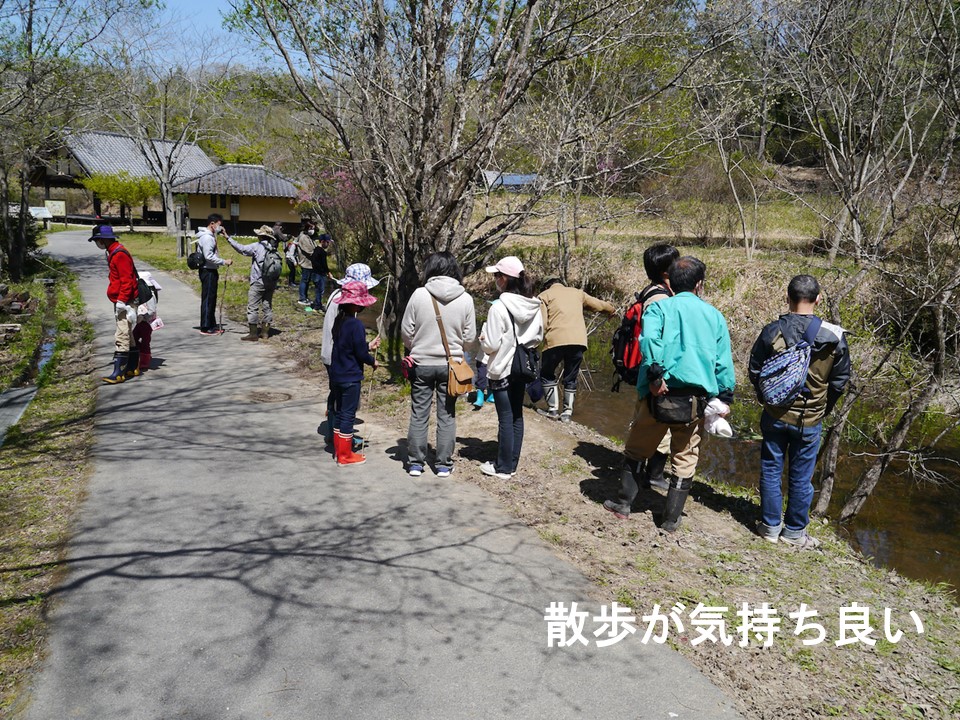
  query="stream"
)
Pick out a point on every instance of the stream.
point(911, 528)
point(905, 526)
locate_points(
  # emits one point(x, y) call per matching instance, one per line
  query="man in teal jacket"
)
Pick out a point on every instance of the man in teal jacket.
point(686, 355)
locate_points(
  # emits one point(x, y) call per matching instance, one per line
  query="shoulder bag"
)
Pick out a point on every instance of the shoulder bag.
point(526, 361)
point(459, 373)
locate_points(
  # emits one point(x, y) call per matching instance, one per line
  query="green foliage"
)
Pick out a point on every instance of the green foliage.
point(247, 154)
point(122, 188)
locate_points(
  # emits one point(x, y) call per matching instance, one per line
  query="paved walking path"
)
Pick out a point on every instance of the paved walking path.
point(224, 567)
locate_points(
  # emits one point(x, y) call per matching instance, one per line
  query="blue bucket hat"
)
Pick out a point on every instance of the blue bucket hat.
point(102, 232)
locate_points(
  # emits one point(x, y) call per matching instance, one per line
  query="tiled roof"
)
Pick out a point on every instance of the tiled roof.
point(247, 180)
point(110, 153)
point(495, 179)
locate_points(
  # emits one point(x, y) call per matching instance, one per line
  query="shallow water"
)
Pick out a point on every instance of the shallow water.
point(910, 528)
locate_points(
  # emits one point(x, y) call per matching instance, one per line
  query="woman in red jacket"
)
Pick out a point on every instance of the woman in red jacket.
point(122, 292)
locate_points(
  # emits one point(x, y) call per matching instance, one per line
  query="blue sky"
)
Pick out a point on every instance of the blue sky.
point(205, 13)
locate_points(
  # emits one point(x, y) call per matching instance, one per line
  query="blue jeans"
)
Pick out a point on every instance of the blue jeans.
point(508, 400)
point(800, 446)
point(319, 283)
point(349, 395)
point(306, 275)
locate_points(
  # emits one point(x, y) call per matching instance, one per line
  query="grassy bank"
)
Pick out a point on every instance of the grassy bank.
point(44, 464)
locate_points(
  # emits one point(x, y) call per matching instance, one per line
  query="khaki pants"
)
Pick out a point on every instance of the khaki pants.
point(260, 298)
point(646, 435)
point(122, 338)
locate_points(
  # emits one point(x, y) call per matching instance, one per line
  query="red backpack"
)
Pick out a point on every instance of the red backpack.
point(625, 344)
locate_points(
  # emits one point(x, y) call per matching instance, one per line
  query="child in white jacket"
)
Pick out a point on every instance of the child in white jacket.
point(514, 319)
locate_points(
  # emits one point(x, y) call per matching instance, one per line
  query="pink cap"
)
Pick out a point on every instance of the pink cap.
point(510, 265)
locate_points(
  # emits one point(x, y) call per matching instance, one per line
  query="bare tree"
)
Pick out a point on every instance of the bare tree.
point(419, 94)
point(872, 81)
point(922, 284)
point(163, 84)
point(44, 48)
point(599, 126)
point(864, 73)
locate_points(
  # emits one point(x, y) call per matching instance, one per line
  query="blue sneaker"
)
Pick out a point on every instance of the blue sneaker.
point(444, 471)
point(415, 470)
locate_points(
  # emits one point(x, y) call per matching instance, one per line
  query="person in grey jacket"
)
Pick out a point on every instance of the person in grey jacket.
point(260, 294)
point(210, 273)
point(420, 331)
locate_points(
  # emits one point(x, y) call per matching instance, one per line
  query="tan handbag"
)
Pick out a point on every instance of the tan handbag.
point(459, 373)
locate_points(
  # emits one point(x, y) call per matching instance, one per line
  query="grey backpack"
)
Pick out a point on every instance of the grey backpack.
point(271, 267)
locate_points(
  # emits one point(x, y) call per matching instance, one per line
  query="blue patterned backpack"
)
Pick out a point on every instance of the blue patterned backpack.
point(784, 375)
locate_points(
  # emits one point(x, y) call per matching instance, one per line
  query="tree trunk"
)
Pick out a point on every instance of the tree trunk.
point(838, 233)
point(869, 479)
point(563, 244)
point(18, 243)
point(830, 449)
point(829, 455)
point(6, 230)
point(166, 195)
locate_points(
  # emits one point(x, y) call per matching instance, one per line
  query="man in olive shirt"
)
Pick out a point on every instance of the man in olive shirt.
point(793, 432)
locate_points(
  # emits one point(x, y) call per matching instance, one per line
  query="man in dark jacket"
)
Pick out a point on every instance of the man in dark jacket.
point(122, 292)
point(210, 273)
point(793, 432)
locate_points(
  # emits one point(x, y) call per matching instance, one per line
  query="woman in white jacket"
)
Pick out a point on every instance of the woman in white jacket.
point(443, 293)
point(514, 318)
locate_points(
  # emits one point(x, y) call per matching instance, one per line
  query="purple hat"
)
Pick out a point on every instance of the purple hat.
point(510, 265)
point(355, 293)
point(102, 232)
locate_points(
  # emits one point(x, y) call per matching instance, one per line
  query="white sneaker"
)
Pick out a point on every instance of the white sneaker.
point(444, 470)
point(804, 542)
point(415, 470)
point(488, 468)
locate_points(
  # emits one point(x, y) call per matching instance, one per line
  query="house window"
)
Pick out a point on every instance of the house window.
point(213, 201)
point(223, 201)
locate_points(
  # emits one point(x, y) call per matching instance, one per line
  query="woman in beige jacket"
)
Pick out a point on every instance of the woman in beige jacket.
point(565, 341)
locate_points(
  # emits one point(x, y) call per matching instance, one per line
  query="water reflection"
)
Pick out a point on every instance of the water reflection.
point(904, 526)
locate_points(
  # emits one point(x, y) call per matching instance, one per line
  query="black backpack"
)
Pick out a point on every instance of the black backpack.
point(144, 291)
point(625, 343)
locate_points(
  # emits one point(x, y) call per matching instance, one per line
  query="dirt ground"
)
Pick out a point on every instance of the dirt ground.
point(567, 471)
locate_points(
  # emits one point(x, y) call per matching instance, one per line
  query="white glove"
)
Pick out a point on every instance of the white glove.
point(126, 312)
point(714, 423)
